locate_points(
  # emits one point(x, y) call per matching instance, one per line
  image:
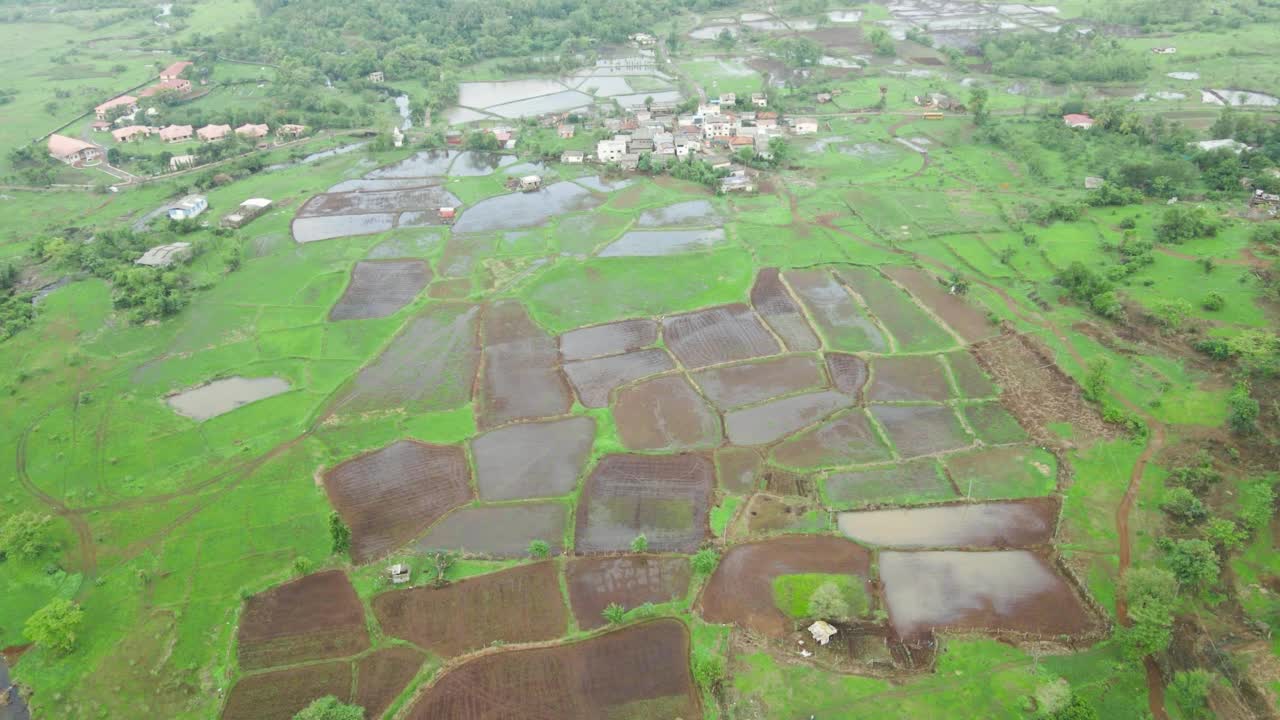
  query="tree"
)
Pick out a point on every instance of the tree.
point(1193, 562)
point(1077, 709)
point(339, 534)
point(1151, 593)
point(442, 561)
point(1181, 223)
point(539, 549)
point(829, 603)
point(1184, 506)
point(1242, 410)
point(1171, 314)
point(25, 535)
point(705, 560)
point(978, 105)
point(726, 39)
point(882, 42)
point(640, 544)
point(1190, 692)
point(614, 613)
point(330, 708)
point(1097, 379)
point(55, 626)
point(1225, 534)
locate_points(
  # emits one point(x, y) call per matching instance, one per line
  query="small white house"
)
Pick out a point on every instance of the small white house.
point(189, 207)
point(611, 150)
point(572, 157)
point(400, 573)
point(759, 100)
point(822, 631)
point(529, 183)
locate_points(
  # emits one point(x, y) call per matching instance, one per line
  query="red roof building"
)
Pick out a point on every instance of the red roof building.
point(177, 85)
point(74, 152)
point(174, 71)
point(1078, 120)
point(124, 101)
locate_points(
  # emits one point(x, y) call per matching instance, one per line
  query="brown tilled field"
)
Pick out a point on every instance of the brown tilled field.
point(381, 676)
point(774, 303)
point(846, 439)
point(522, 604)
point(521, 374)
point(741, 589)
point(717, 335)
point(665, 413)
point(849, 373)
point(629, 580)
point(738, 469)
point(389, 496)
point(665, 498)
point(282, 694)
point(312, 618)
point(638, 673)
point(380, 288)
point(968, 322)
point(595, 379)
point(908, 378)
point(608, 339)
point(917, 430)
point(730, 386)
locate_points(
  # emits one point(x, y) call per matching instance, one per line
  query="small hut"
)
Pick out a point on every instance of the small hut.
point(822, 631)
point(400, 573)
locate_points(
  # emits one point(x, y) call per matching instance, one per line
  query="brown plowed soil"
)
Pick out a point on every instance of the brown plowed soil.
point(665, 413)
point(312, 618)
point(531, 460)
point(389, 496)
point(849, 373)
point(968, 321)
point(846, 439)
point(921, 429)
point(380, 288)
point(637, 673)
point(775, 304)
point(741, 589)
point(908, 378)
point(717, 335)
point(282, 694)
point(628, 580)
point(663, 497)
point(595, 379)
point(383, 675)
point(608, 339)
point(738, 469)
point(730, 386)
point(522, 604)
point(522, 378)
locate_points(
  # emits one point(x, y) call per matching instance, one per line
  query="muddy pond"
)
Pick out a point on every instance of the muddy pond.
point(222, 396)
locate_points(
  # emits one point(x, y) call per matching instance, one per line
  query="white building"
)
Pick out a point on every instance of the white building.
point(804, 126)
point(611, 150)
point(759, 100)
point(189, 207)
point(728, 98)
point(714, 126)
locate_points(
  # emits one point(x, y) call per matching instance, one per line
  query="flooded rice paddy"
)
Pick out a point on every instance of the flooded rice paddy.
point(530, 460)
point(665, 413)
point(663, 497)
point(525, 210)
point(502, 531)
point(222, 396)
point(976, 525)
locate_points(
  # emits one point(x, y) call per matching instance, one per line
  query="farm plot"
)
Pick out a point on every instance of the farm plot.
point(470, 614)
point(315, 617)
point(380, 288)
point(522, 379)
point(994, 424)
point(774, 420)
point(656, 243)
point(912, 482)
point(529, 460)
point(908, 378)
point(499, 530)
point(389, 496)
point(740, 591)
point(608, 339)
point(971, 381)
point(967, 321)
point(774, 303)
point(594, 380)
point(730, 386)
point(383, 675)
point(972, 525)
point(925, 212)
point(847, 439)
point(692, 213)
point(1004, 472)
point(282, 694)
point(429, 163)
point(717, 335)
point(838, 317)
point(629, 580)
point(430, 366)
point(920, 429)
point(738, 469)
point(222, 396)
point(767, 514)
point(525, 210)
point(342, 214)
point(1013, 590)
point(636, 673)
point(665, 413)
point(664, 498)
point(849, 373)
point(912, 328)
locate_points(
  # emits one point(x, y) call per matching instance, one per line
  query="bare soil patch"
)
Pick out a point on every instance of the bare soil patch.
point(841, 321)
point(595, 379)
point(529, 460)
point(738, 469)
point(730, 386)
point(1019, 523)
point(663, 497)
point(908, 377)
point(380, 288)
point(640, 672)
point(311, 618)
point(921, 429)
point(847, 439)
point(522, 604)
point(608, 339)
point(389, 496)
point(774, 303)
point(717, 335)
point(628, 580)
point(849, 373)
point(522, 379)
point(968, 321)
point(768, 514)
point(741, 589)
point(764, 424)
point(282, 694)
point(665, 413)
point(383, 675)
point(501, 531)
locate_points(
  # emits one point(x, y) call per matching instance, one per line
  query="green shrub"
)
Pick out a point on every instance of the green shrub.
point(25, 535)
point(55, 626)
point(1213, 302)
point(539, 549)
point(705, 560)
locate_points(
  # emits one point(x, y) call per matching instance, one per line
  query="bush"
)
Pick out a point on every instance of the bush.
point(330, 708)
point(1242, 410)
point(1190, 692)
point(1213, 302)
point(1193, 562)
point(614, 613)
point(55, 626)
point(1184, 506)
point(1171, 314)
point(708, 671)
point(1257, 500)
point(339, 534)
point(705, 560)
point(640, 544)
point(1225, 534)
point(829, 603)
point(539, 549)
point(1185, 223)
point(25, 536)
point(1268, 234)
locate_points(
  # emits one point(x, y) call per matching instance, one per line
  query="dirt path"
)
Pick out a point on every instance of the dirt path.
point(1249, 259)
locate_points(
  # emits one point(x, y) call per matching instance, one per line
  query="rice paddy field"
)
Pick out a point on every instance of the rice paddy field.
point(644, 425)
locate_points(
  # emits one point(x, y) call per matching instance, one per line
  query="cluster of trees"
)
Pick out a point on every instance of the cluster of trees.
point(690, 168)
point(16, 309)
point(1063, 57)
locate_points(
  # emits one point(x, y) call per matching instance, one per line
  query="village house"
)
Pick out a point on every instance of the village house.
point(377, 76)
point(447, 214)
point(714, 126)
point(100, 125)
point(1234, 146)
point(181, 162)
point(248, 210)
point(530, 183)
point(741, 141)
point(718, 162)
point(565, 132)
point(1164, 50)
point(608, 151)
point(397, 137)
point(705, 109)
point(629, 161)
point(453, 137)
point(573, 157)
point(737, 183)
point(125, 105)
point(251, 131)
point(174, 71)
point(176, 133)
point(640, 146)
point(1078, 120)
point(189, 207)
point(177, 85)
point(728, 99)
point(768, 120)
point(213, 133)
point(131, 133)
point(804, 126)
point(74, 152)
point(1093, 183)
point(291, 130)
point(644, 39)
point(165, 255)
point(400, 574)
point(759, 100)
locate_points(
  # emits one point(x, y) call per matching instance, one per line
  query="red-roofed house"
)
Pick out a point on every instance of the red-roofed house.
point(124, 101)
point(253, 131)
point(174, 71)
point(74, 152)
point(177, 85)
point(131, 133)
point(176, 133)
point(1078, 120)
point(100, 125)
point(210, 133)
